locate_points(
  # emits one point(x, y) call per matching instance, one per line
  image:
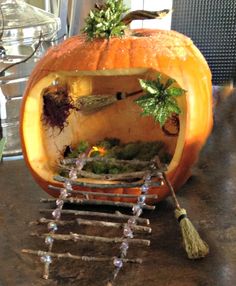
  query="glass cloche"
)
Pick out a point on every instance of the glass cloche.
point(22, 26)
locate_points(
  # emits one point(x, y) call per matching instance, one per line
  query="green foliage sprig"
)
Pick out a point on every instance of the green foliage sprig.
point(160, 99)
point(105, 21)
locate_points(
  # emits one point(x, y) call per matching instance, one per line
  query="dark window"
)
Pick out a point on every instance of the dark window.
point(211, 24)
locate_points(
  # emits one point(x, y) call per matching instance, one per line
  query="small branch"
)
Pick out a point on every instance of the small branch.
point(116, 215)
point(46, 271)
point(134, 162)
point(46, 221)
point(129, 176)
point(88, 238)
point(94, 223)
point(116, 195)
point(97, 202)
point(104, 186)
point(76, 257)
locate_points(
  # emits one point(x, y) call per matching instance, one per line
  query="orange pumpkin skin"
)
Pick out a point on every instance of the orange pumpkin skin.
point(167, 52)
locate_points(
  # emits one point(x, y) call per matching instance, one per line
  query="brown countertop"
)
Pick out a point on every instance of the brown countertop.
point(209, 196)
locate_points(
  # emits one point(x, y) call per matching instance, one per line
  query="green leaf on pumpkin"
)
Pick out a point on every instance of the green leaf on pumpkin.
point(160, 99)
point(105, 20)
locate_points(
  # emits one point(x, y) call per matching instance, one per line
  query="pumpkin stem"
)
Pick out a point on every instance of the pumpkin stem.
point(144, 15)
point(106, 21)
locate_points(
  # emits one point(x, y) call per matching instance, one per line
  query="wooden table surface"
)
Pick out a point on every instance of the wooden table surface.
point(209, 196)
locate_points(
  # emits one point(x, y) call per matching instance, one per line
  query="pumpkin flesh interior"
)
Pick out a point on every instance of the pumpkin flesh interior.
point(44, 144)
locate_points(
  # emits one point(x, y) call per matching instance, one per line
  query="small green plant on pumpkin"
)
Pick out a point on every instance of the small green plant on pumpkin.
point(105, 20)
point(159, 100)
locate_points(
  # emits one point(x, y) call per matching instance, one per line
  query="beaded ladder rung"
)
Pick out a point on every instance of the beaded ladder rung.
point(134, 224)
point(117, 195)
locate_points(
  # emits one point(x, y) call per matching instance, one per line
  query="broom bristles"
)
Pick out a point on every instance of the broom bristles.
point(195, 247)
point(93, 103)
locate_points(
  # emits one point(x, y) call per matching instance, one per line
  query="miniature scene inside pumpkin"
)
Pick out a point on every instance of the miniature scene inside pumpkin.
point(97, 115)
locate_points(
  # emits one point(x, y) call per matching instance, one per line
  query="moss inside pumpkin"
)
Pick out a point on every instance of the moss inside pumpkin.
point(110, 157)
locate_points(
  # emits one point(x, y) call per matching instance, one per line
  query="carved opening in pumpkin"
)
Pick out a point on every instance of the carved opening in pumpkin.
point(45, 144)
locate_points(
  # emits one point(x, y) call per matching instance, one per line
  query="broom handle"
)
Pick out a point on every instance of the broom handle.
point(134, 92)
point(171, 189)
point(168, 183)
point(122, 95)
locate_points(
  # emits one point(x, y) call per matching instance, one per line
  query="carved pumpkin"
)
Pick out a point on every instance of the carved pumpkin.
point(106, 66)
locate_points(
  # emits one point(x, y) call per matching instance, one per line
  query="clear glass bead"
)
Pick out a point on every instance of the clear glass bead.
point(49, 240)
point(128, 231)
point(144, 188)
point(160, 176)
point(124, 247)
point(80, 162)
point(73, 174)
point(148, 177)
point(63, 194)
point(56, 213)
point(137, 210)
point(148, 180)
point(68, 185)
point(2, 52)
point(52, 226)
point(153, 166)
point(59, 203)
point(118, 262)
point(46, 259)
point(131, 221)
point(141, 199)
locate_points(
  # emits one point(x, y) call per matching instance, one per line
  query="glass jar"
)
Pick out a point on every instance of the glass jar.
point(21, 28)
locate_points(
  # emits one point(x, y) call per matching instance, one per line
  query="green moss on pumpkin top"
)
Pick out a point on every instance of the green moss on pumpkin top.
point(105, 21)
